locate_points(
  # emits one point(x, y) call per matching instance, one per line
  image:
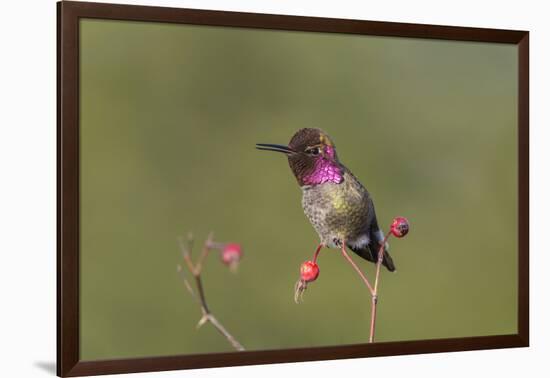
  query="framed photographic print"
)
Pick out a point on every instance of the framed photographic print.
point(238, 188)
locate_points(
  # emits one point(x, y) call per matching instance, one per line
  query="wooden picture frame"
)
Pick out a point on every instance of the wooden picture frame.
point(70, 13)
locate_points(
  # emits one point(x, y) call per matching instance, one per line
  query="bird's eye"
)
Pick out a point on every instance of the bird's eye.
point(313, 151)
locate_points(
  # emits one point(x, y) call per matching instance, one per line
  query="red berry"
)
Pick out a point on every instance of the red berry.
point(231, 253)
point(309, 271)
point(400, 227)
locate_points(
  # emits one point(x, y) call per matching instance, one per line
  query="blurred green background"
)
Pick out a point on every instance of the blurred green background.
point(169, 118)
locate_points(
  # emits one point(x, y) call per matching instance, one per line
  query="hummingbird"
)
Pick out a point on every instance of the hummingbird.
point(337, 205)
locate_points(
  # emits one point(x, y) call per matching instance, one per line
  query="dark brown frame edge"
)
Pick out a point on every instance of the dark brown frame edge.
point(68, 16)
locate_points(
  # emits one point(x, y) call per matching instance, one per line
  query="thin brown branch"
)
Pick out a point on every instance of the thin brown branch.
point(316, 254)
point(373, 290)
point(381, 252)
point(212, 319)
point(205, 249)
point(196, 270)
point(187, 284)
point(374, 301)
point(186, 253)
point(350, 260)
point(200, 289)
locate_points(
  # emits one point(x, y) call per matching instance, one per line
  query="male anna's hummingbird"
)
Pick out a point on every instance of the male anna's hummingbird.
point(335, 202)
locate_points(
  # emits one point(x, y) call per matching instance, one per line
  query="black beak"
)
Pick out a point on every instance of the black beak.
point(274, 147)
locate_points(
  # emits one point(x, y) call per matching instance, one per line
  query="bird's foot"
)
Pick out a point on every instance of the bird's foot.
point(337, 242)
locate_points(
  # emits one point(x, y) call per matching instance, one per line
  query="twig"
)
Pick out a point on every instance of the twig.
point(316, 254)
point(196, 270)
point(373, 291)
point(350, 260)
point(205, 249)
point(381, 251)
point(187, 284)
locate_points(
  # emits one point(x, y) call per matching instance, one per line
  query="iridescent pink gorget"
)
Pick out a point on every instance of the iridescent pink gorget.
point(326, 169)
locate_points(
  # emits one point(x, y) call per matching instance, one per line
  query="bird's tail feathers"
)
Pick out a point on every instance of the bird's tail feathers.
point(370, 253)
